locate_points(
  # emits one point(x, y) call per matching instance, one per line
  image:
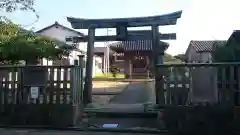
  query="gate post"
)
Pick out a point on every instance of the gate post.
point(81, 64)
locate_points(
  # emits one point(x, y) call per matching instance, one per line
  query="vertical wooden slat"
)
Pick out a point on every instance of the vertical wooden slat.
point(238, 84)
point(24, 90)
point(231, 89)
point(44, 92)
point(2, 93)
point(51, 85)
point(58, 87)
point(187, 85)
point(185, 90)
point(13, 85)
point(65, 82)
point(8, 92)
point(223, 80)
point(76, 85)
point(190, 72)
point(72, 88)
point(19, 86)
point(167, 87)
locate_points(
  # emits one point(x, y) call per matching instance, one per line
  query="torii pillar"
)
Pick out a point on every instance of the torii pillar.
point(158, 59)
point(87, 92)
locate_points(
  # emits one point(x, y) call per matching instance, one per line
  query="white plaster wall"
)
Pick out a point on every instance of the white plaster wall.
point(61, 34)
point(206, 56)
point(58, 33)
point(96, 68)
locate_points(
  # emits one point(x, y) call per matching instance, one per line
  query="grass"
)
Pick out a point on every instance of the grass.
point(109, 75)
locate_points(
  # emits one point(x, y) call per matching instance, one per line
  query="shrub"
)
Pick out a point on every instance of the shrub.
point(114, 70)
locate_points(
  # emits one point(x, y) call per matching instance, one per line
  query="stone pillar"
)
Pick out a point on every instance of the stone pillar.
point(103, 64)
point(158, 59)
point(87, 93)
point(130, 69)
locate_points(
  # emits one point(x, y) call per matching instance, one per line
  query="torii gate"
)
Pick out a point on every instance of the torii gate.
point(121, 24)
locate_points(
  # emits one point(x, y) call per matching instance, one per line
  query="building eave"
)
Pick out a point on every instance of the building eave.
point(138, 45)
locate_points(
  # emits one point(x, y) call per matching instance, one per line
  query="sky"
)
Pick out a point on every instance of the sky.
point(201, 19)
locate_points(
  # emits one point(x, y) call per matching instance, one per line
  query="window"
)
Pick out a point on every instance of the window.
point(119, 57)
point(138, 57)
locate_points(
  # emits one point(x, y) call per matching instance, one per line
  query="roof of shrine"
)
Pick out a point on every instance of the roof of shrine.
point(206, 45)
point(135, 45)
point(166, 19)
point(235, 36)
point(101, 50)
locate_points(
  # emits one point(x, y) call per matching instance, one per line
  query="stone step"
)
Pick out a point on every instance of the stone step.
point(128, 108)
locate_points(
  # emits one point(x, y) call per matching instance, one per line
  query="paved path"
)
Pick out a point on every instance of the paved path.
point(129, 100)
point(135, 93)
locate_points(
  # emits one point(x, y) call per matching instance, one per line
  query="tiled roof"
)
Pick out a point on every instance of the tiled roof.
point(59, 25)
point(101, 50)
point(135, 45)
point(206, 46)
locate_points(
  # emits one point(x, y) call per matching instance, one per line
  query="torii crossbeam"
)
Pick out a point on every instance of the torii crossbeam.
point(121, 24)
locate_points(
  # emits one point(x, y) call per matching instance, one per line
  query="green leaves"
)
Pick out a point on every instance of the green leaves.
point(227, 53)
point(16, 45)
point(14, 5)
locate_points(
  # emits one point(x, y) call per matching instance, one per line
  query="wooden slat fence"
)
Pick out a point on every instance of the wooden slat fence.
point(59, 87)
point(200, 82)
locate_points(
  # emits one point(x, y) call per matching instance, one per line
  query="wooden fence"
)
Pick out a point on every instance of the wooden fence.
point(39, 95)
point(184, 84)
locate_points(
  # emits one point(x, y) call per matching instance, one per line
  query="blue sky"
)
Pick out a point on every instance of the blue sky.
point(201, 19)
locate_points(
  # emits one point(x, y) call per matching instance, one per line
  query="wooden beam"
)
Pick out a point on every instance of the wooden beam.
point(84, 23)
point(169, 36)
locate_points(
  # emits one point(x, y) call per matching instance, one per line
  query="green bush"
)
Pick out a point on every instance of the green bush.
point(114, 70)
point(126, 76)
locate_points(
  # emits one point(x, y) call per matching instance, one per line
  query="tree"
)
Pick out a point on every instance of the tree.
point(167, 57)
point(13, 5)
point(227, 53)
point(181, 57)
point(16, 45)
point(114, 70)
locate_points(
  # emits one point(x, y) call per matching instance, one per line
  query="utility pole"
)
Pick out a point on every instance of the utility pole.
point(107, 57)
